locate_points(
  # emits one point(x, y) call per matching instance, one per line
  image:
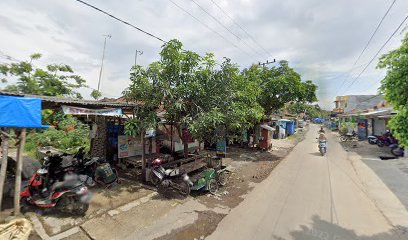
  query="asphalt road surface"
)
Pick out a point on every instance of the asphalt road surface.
point(309, 196)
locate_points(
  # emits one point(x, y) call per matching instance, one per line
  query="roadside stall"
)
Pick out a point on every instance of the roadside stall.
point(18, 113)
point(266, 137)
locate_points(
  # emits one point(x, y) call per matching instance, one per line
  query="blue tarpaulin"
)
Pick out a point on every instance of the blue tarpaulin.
point(20, 112)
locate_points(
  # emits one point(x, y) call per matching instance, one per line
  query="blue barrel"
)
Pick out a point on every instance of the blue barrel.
point(290, 127)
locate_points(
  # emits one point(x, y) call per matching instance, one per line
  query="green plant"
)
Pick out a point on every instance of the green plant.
point(69, 134)
point(395, 88)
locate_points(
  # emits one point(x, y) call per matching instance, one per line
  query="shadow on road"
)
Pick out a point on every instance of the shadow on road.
point(322, 229)
point(316, 154)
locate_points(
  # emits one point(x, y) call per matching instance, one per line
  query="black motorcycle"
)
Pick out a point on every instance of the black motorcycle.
point(170, 179)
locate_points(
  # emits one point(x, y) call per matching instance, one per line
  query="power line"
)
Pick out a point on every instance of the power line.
point(123, 21)
point(225, 27)
point(368, 43)
point(211, 29)
point(215, 19)
point(237, 24)
point(375, 31)
point(378, 52)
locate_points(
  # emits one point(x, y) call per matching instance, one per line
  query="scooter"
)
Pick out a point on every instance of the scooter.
point(322, 147)
point(349, 137)
point(69, 196)
point(372, 139)
point(170, 178)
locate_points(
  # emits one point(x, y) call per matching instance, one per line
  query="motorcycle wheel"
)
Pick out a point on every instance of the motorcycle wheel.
point(212, 186)
point(380, 143)
point(343, 138)
point(223, 178)
point(396, 152)
point(184, 188)
point(81, 208)
point(154, 179)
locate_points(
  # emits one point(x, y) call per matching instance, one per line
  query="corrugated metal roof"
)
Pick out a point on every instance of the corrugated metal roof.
point(72, 101)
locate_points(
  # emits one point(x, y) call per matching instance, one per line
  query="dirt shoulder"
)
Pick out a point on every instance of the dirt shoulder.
point(251, 167)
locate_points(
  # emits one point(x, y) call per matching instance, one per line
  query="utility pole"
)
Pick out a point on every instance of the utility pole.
point(103, 56)
point(137, 53)
point(267, 62)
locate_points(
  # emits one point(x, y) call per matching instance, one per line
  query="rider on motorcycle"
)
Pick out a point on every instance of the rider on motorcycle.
point(321, 130)
point(322, 137)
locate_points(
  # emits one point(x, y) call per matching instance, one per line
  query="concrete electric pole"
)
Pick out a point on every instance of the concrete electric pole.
point(103, 56)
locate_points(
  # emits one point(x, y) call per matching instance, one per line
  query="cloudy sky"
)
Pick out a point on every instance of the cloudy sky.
point(320, 38)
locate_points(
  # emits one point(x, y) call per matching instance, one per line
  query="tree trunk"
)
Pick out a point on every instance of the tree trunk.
point(171, 139)
point(18, 172)
point(150, 145)
point(3, 171)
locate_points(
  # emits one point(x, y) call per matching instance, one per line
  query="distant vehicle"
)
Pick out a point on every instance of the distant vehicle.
point(322, 147)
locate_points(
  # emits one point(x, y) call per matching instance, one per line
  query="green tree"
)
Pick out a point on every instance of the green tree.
point(280, 85)
point(394, 86)
point(143, 90)
point(55, 80)
point(95, 94)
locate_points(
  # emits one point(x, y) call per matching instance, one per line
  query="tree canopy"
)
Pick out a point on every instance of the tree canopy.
point(281, 85)
point(200, 95)
point(394, 86)
point(55, 80)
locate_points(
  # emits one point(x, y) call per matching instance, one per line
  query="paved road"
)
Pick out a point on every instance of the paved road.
point(394, 173)
point(309, 196)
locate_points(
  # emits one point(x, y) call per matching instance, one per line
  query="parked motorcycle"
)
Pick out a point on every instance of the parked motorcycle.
point(170, 178)
point(322, 147)
point(385, 140)
point(85, 167)
point(68, 196)
point(349, 137)
point(372, 139)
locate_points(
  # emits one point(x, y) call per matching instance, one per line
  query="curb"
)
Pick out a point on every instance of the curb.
point(39, 229)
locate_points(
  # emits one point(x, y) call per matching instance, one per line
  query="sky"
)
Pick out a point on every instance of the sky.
point(321, 39)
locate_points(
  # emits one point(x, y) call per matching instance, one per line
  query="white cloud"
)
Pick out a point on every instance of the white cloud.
point(320, 38)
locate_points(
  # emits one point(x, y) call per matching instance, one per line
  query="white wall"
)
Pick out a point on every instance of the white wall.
point(379, 126)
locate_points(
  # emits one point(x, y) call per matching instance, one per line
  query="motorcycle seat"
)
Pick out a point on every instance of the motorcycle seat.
point(66, 184)
point(172, 172)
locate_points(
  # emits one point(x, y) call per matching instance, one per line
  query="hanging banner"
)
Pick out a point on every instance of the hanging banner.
point(129, 146)
point(87, 111)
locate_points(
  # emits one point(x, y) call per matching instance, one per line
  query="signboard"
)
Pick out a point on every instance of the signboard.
point(129, 146)
point(87, 111)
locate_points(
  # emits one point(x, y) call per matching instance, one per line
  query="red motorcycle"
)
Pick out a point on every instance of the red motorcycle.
point(68, 196)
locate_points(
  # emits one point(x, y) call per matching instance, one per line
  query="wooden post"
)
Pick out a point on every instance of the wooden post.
point(3, 171)
point(18, 172)
point(143, 156)
point(171, 139)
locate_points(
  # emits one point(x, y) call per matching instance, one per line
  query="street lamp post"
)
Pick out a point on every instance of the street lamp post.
point(137, 53)
point(103, 56)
